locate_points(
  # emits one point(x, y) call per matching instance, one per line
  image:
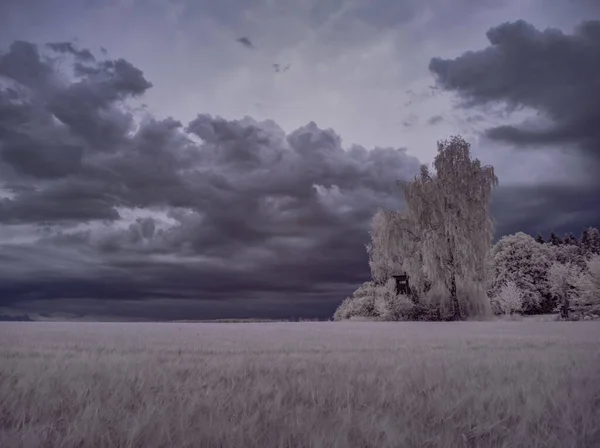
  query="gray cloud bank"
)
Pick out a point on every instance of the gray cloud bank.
point(556, 75)
point(549, 71)
point(100, 204)
point(104, 211)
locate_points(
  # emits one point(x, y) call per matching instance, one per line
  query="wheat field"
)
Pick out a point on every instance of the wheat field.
point(311, 384)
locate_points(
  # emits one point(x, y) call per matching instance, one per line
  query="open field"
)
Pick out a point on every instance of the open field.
point(314, 384)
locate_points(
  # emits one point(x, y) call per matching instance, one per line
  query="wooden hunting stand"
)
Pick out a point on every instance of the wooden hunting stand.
point(402, 286)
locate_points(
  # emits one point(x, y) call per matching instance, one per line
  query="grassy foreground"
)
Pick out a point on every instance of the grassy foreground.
point(313, 384)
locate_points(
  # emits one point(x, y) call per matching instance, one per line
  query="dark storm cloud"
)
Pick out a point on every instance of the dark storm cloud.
point(33, 142)
point(245, 42)
point(68, 47)
point(547, 70)
point(545, 207)
point(556, 74)
point(435, 119)
point(24, 64)
point(88, 107)
point(65, 200)
point(252, 213)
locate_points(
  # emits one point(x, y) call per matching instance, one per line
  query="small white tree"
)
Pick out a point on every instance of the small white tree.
point(562, 279)
point(509, 299)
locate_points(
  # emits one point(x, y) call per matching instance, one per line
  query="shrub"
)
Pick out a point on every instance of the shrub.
point(361, 303)
point(425, 312)
point(392, 306)
point(378, 301)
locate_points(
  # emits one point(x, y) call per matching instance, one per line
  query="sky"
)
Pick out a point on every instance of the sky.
point(193, 159)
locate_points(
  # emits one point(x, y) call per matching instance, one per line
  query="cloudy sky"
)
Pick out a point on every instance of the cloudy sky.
point(193, 159)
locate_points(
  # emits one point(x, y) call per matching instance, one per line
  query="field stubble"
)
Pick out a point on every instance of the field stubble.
point(313, 384)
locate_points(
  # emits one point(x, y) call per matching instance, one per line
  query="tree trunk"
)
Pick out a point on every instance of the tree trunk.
point(456, 315)
point(564, 309)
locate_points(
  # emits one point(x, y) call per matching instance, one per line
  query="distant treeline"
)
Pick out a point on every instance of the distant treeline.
point(17, 318)
point(250, 320)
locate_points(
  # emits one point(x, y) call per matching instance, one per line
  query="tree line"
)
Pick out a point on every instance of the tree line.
point(442, 240)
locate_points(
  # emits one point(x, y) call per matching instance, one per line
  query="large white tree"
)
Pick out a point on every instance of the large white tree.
point(395, 248)
point(449, 213)
point(384, 261)
point(519, 258)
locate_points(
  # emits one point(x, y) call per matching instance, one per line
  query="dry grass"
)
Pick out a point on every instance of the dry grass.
point(350, 384)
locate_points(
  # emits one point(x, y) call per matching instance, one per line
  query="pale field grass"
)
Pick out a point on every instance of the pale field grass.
point(314, 384)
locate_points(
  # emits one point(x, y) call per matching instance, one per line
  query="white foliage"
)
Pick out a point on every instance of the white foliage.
point(392, 306)
point(588, 282)
point(442, 238)
point(563, 279)
point(384, 258)
point(344, 310)
point(394, 248)
point(594, 247)
point(384, 295)
point(567, 253)
point(519, 258)
point(373, 300)
point(589, 242)
point(361, 303)
point(449, 215)
point(509, 299)
point(471, 296)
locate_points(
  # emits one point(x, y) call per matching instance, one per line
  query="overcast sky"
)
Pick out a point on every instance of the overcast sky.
point(195, 159)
